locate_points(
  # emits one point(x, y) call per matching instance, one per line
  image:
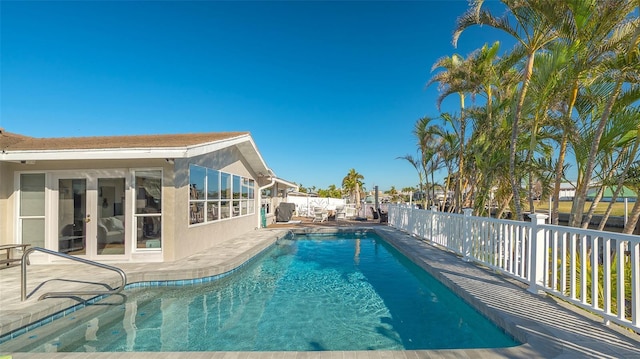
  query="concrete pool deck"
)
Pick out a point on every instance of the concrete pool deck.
point(547, 327)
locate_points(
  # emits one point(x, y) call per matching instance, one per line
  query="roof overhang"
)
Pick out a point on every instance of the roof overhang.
point(244, 144)
point(286, 183)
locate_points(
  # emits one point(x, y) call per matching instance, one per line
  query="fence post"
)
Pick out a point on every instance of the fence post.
point(536, 274)
point(433, 222)
point(467, 237)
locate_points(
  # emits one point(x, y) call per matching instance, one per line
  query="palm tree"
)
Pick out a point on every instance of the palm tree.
point(456, 77)
point(535, 27)
point(352, 184)
point(630, 142)
point(620, 69)
point(393, 193)
point(417, 164)
point(546, 101)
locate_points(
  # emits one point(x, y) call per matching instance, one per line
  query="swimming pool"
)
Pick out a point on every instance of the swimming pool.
point(319, 292)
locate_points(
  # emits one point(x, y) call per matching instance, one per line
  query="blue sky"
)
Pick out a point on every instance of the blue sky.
point(323, 87)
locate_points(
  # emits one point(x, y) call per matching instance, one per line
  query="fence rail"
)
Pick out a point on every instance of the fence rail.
point(596, 270)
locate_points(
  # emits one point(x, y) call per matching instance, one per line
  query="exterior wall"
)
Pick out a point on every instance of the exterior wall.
point(179, 238)
point(9, 219)
point(6, 203)
point(189, 239)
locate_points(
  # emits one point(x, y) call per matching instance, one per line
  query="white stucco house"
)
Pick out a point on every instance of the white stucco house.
point(148, 198)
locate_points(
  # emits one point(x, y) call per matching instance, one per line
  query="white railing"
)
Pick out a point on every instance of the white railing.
point(589, 268)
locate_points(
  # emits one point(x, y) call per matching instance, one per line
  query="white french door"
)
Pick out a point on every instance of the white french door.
point(90, 214)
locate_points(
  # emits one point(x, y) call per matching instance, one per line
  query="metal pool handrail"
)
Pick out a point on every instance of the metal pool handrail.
point(25, 262)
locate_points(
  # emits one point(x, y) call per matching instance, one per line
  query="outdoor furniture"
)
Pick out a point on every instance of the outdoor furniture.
point(350, 211)
point(9, 260)
point(374, 213)
point(341, 213)
point(384, 216)
point(320, 215)
point(284, 211)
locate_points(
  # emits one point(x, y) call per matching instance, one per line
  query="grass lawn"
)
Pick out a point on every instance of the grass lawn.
point(565, 207)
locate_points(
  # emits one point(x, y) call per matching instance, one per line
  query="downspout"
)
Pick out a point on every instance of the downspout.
point(260, 189)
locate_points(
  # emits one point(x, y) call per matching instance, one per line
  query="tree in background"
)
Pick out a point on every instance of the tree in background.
point(331, 192)
point(570, 85)
point(353, 185)
point(394, 195)
point(534, 28)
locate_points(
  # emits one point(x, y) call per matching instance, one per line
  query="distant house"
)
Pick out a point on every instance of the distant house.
point(567, 192)
point(144, 198)
point(607, 195)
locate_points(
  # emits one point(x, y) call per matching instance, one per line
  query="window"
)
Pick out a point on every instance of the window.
point(32, 207)
point(197, 177)
point(213, 195)
point(216, 195)
point(236, 196)
point(225, 195)
point(148, 214)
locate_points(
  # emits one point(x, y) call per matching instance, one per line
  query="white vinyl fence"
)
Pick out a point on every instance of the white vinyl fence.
point(596, 270)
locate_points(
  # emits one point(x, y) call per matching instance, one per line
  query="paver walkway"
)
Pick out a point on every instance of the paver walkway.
point(548, 328)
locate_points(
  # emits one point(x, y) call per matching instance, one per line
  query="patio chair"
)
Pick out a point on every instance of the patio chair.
point(320, 215)
point(384, 216)
point(374, 213)
point(341, 213)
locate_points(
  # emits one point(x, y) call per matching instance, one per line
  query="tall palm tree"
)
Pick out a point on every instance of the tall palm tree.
point(352, 184)
point(622, 69)
point(534, 28)
point(455, 77)
point(592, 31)
point(545, 105)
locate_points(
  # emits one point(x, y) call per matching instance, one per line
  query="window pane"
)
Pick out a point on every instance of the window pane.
point(72, 198)
point(251, 207)
point(212, 211)
point(213, 187)
point(197, 212)
point(236, 208)
point(148, 191)
point(224, 209)
point(196, 181)
point(243, 207)
point(225, 185)
point(236, 187)
point(251, 189)
point(33, 231)
point(148, 234)
point(32, 194)
point(245, 192)
point(111, 231)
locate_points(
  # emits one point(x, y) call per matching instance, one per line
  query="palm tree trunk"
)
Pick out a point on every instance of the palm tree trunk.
point(575, 219)
point(515, 133)
point(463, 129)
point(528, 161)
point(559, 176)
point(632, 222)
point(503, 206)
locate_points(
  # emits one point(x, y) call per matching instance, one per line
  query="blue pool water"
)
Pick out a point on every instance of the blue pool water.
point(346, 292)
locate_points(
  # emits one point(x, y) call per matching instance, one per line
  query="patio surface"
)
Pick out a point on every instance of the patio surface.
point(548, 327)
